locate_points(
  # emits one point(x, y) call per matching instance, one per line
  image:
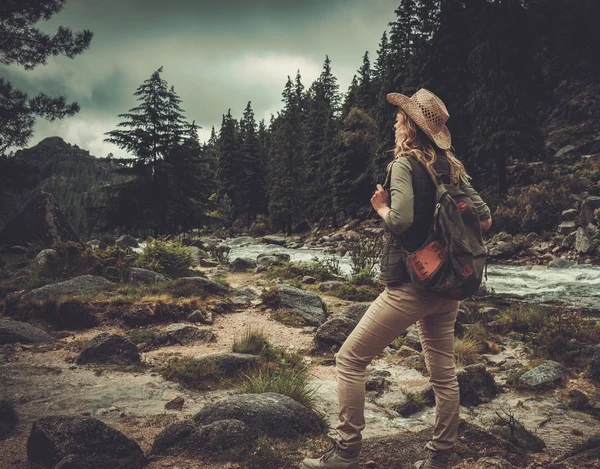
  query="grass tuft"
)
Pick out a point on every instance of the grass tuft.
point(466, 351)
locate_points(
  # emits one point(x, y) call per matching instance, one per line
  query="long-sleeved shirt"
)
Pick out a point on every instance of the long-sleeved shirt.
point(402, 197)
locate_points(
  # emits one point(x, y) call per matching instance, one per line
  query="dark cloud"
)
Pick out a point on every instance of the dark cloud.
point(217, 54)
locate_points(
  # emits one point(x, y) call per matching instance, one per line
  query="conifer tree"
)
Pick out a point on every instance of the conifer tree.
point(228, 162)
point(365, 93)
point(351, 98)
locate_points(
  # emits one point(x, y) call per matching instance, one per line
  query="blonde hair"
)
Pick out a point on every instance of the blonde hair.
point(410, 139)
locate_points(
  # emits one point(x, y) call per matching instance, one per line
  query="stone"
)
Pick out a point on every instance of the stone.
point(376, 380)
point(308, 307)
point(511, 364)
point(588, 207)
point(111, 349)
point(583, 243)
point(184, 334)
point(201, 315)
point(75, 286)
point(577, 400)
point(203, 283)
point(309, 280)
point(567, 153)
point(569, 240)
point(567, 227)
point(560, 263)
point(242, 264)
point(334, 331)
point(357, 310)
point(126, 241)
point(594, 366)
point(493, 463)
point(548, 374)
point(45, 264)
point(12, 332)
point(240, 242)
point(570, 215)
point(228, 437)
point(476, 385)
point(139, 276)
point(198, 255)
point(175, 404)
point(416, 362)
point(208, 263)
point(231, 364)
point(504, 249)
point(273, 258)
point(330, 285)
point(412, 338)
point(90, 442)
point(278, 240)
point(406, 351)
point(270, 414)
point(531, 238)
point(40, 221)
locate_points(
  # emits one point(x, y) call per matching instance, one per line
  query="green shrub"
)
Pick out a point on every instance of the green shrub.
point(364, 250)
point(294, 383)
point(466, 351)
point(252, 341)
point(364, 277)
point(356, 292)
point(324, 267)
point(114, 262)
point(169, 257)
point(192, 373)
point(414, 403)
point(260, 227)
point(523, 318)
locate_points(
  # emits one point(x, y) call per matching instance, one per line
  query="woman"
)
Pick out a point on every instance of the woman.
point(422, 138)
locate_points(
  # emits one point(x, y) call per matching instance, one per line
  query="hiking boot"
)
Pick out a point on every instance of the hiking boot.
point(334, 458)
point(435, 460)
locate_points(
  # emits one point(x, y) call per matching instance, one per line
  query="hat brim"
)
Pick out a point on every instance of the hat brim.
point(442, 139)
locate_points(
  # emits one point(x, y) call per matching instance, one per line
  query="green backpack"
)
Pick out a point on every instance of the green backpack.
point(452, 260)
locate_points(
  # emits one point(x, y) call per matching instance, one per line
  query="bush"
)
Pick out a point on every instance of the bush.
point(252, 341)
point(522, 318)
point(220, 252)
point(191, 372)
point(294, 383)
point(114, 262)
point(261, 226)
point(326, 267)
point(364, 250)
point(364, 277)
point(169, 257)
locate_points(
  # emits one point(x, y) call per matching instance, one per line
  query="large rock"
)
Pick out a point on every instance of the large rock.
point(40, 221)
point(188, 438)
point(567, 227)
point(583, 243)
point(560, 263)
point(240, 242)
point(145, 277)
point(242, 264)
point(545, 375)
point(198, 255)
point(357, 310)
point(126, 241)
point(330, 285)
point(109, 349)
point(335, 330)
point(44, 265)
point(412, 338)
point(569, 215)
point(231, 364)
point(476, 385)
point(493, 463)
point(76, 286)
point(17, 331)
point(81, 442)
point(278, 240)
point(270, 414)
point(587, 210)
point(185, 334)
point(504, 249)
point(308, 307)
point(203, 283)
point(273, 258)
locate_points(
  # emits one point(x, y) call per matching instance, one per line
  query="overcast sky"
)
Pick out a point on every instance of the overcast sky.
point(218, 54)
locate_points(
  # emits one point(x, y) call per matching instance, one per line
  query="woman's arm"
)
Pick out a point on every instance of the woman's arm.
point(397, 210)
point(485, 215)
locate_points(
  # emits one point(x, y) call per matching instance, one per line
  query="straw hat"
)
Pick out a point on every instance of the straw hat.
point(429, 113)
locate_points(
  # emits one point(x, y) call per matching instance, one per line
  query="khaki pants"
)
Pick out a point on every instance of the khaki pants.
point(390, 314)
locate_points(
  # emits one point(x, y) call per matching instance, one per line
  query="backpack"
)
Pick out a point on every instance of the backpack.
point(452, 260)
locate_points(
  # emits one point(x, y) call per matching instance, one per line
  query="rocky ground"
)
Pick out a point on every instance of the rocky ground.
point(510, 418)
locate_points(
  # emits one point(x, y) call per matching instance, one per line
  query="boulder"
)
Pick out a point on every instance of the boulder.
point(306, 306)
point(567, 153)
point(330, 285)
point(546, 375)
point(493, 463)
point(76, 286)
point(184, 334)
point(240, 242)
point(187, 438)
point(81, 442)
point(569, 215)
point(560, 263)
point(231, 364)
point(307, 279)
point(40, 221)
point(44, 265)
point(412, 338)
point(376, 380)
point(145, 277)
point(583, 243)
point(273, 258)
point(334, 331)
point(201, 315)
point(270, 414)
point(198, 255)
point(203, 283)
point(16, 331)
point(567, 227)
point(587, 210)
point(126, 241)
point(109, 349)
point(476, 385)
point(278, 240)
point(242, 264)
point(357, 310)
point(504, 249)
point(405, 351)
point(416, 362)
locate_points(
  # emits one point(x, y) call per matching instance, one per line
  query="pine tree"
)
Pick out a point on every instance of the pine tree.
point(21, 43)
point(331, 87)
point(228, 161)
point(504, 97)
point(351, 98)
point(365, 93)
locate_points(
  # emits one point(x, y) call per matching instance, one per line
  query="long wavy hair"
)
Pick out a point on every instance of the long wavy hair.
point(410, 139)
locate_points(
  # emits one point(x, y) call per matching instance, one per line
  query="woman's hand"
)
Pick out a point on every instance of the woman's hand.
point(380, 201)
